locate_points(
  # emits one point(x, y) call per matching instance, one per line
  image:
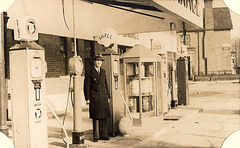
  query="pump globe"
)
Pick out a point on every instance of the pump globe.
point(125, 126)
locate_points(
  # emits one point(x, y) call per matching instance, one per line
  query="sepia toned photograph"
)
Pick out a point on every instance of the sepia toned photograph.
point(120, 73)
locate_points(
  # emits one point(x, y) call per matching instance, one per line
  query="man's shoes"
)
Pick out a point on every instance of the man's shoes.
point(104, 138)
point(95, 140)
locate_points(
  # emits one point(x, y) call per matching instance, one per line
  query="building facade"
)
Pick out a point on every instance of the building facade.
point(209, 49)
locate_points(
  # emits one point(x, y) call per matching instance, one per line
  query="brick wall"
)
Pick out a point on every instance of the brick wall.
point(51, 44)
point(218, 59)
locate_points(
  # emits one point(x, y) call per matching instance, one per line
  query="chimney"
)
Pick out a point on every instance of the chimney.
point(208, 17)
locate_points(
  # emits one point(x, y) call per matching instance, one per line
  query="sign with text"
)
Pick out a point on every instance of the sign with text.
point(158, 47)
point(107, 37)
point(26, 29)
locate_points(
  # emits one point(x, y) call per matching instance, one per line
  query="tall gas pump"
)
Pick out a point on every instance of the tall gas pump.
point(182, 81)
point(112, 69)
point(27, 73)
point(76, 68)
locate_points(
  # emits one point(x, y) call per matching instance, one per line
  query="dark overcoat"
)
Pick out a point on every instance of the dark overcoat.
point(96, 90)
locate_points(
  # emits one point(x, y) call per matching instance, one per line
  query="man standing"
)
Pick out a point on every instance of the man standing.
point(97, 96)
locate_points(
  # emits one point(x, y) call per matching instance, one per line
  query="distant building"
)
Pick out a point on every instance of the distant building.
point(209, 49)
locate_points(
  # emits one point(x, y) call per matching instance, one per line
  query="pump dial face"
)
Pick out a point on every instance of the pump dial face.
point(37, 68)
point(31, 27)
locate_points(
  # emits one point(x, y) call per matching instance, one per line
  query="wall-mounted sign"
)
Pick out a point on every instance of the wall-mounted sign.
point(26, 29)
point(158, 47)
point(107, 37)
point(132, 35)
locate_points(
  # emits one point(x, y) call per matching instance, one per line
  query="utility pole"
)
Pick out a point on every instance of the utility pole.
point(3, 98)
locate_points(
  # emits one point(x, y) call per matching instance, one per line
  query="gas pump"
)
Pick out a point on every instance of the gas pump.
point(112, 69)
point(27, 72)
point(182, 81)
point(76, 68)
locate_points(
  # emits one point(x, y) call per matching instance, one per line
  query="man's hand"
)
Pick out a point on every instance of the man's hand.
point(88, 102)
point(108, 100)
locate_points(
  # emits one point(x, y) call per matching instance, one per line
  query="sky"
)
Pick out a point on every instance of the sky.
point(235, 32)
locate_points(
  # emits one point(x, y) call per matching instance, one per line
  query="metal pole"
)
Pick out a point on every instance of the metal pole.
point(3, 113)
point(198, 53)
point(74, 33)
point(77, 133)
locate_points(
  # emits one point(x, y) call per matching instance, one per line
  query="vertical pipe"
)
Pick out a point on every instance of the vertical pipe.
point(151, 41)
point(198, 53)
point(204, 52)
point(74, 31)
point(3, 99)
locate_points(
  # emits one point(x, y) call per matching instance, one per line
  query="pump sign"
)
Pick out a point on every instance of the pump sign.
point(107, 37)
point(26, 29)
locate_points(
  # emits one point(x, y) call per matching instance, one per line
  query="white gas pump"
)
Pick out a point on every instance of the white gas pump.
point(27, 73)
point(75, 69)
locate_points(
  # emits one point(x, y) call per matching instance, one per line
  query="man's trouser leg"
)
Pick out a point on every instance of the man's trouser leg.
point(100, 128)
point(95, 129)
point(103, 128)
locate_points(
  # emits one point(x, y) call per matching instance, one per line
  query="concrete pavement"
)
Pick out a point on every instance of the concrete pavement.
point(220, 97)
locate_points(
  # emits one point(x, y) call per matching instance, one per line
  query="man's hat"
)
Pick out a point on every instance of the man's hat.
point(99, 57)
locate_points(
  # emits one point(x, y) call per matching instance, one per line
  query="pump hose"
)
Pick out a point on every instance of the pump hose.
point(64, 130)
